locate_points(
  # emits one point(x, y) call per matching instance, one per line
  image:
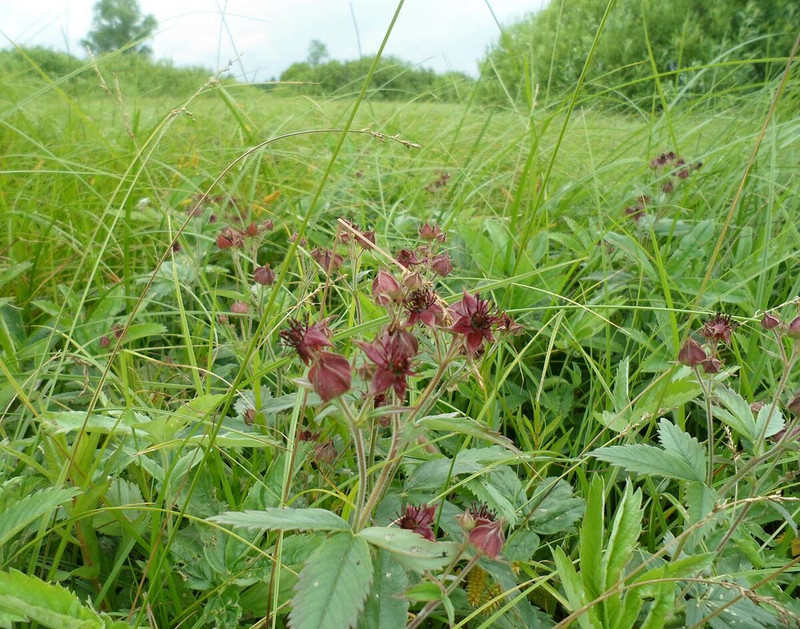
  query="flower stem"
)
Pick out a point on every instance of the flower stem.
point(426, 611)
point(361, 460)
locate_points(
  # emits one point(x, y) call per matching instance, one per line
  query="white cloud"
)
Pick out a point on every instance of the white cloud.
point(271, 34)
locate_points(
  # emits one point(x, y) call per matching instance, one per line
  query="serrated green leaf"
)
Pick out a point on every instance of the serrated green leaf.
point(17, 516)
point(385, 607)
point(735, 412)
point(284, 519)
point(623, 536)
point(682, 445)
point(409, 548)
point(645, 459)
point(48, 604)
point(332, 586)
point(554, 507)
point(775, 418)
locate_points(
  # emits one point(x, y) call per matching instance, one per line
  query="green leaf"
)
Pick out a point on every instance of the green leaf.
point(284, 519)
point(54, 606)
point(682, 445)
point(645, 459)
point(685, 567)
point(555, 507)
point(385, 606)
point(624, 534)
point(573, 587)
point(521, 545)
point(591, 542)
point(143, 330)
point(332, 586)
point(409, 548)
point(775, 418)
point(17, 516)
point(64, 422)
point(457, 423)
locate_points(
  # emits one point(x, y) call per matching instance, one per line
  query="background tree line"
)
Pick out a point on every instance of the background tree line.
point(692, 45)
point(394, 79)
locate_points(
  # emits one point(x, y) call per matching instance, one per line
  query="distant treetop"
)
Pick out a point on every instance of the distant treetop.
point(117, 23)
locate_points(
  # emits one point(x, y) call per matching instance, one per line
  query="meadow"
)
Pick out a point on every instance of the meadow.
point(268, 360)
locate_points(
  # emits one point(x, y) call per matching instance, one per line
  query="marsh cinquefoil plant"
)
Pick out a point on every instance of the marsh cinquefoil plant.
point(376, 375)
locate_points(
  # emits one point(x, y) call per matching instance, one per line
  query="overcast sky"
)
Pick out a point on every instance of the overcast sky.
point(271, 34)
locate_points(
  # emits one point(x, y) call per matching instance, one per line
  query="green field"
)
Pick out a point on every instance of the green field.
point(167, 460)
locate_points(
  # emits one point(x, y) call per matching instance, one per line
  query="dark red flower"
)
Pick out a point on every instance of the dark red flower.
point(330, 375)
point(718, 328)
point(306, 339)
point(692, 353)
point(407, 258)
point(420, 520)
point(484, 530)
point(474, 319)
point(392, 353)
point(228, 238)
point(423, 306)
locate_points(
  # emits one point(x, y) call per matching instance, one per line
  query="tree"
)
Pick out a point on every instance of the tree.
point(117, 23)
point(317, 51)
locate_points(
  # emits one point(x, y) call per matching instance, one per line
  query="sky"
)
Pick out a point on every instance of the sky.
point(266, 36)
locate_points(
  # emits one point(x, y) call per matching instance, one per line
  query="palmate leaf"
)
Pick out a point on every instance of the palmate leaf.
point(332, 586)
point(284, 519)
point(682, 457)
point(645, 459)
point(19, 515)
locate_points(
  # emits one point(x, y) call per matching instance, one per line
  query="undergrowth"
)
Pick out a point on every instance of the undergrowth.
point(273, 360)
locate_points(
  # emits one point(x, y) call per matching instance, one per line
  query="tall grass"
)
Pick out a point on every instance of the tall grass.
point(120, 350)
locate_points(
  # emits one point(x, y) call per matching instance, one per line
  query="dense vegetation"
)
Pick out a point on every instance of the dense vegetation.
point(394, 79)
point(23, 69)
point(646, 50)
point(282, 361)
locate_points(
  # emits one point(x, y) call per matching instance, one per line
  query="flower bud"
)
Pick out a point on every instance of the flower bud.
point(793, 330)
point(711, 365)
point(441, 264)
point(692, 353)
point(770, 321)
point(330, 375)
point(385, 288)
point(239, 307)
point(794, 404)
point(264, 275)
